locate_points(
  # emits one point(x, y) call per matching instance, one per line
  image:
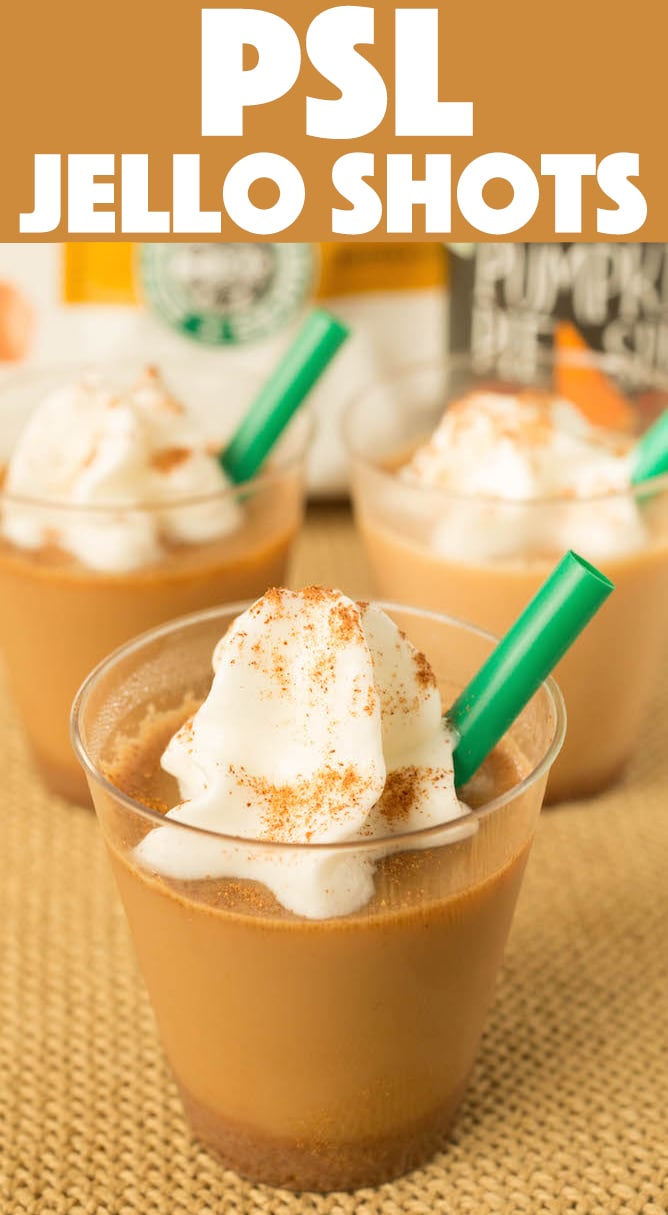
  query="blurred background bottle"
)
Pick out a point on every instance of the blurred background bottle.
point(507, 301)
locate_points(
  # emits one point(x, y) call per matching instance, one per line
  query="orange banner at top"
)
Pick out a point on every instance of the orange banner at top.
point(299, 120)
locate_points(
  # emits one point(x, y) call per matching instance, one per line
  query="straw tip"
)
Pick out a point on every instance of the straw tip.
point(592, 570)
point(650, 457)
point(329, 323)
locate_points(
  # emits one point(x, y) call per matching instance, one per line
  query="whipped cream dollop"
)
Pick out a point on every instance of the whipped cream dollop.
point(323, 725)
point(137, 456)
point(495, 451)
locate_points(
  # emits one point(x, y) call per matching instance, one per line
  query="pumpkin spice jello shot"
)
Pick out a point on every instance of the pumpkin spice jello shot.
point(319, 914)
point(116, 513)
point(470, 490)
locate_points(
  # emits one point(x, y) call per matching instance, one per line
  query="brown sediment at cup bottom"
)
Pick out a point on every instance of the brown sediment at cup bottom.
point(316, 1163)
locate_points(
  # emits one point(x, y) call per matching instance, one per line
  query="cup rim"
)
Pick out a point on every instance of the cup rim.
point(273, 471)
point(657, 485)
point(439, 832)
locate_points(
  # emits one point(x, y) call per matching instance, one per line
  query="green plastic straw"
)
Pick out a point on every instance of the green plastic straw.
point(301, 366)
point(650, 458)
point(514, 671)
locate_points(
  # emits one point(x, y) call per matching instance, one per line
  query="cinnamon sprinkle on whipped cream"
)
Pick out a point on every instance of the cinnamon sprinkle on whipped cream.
point(523, 475)
point(133, 463)
point(528, 445)
point(323, 725)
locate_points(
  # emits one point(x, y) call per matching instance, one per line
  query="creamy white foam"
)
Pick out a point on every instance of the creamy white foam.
point(323, 725)
point(90, 448)
point(496, 451)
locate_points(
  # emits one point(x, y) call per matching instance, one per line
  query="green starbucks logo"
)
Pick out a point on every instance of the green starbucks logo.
point(227, 294)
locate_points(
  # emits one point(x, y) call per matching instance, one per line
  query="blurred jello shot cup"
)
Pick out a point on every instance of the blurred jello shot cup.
point(319, 914)
point(469, 489)
point(116, 515)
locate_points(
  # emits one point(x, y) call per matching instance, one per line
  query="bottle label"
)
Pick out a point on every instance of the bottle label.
point(227, 294)
point(507, 298)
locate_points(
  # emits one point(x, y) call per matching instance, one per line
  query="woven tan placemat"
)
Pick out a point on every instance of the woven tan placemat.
point(567, 1113)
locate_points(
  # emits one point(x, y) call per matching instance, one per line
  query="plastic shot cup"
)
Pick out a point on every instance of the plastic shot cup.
point(316, 1054)
point(59, 616)
point(609, 676)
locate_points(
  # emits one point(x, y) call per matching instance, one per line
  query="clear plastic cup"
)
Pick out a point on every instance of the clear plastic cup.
point(317, 1054)
point(59, 617)
point(482, 559)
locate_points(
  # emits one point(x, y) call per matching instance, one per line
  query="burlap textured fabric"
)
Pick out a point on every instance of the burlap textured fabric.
point(568, 1110)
